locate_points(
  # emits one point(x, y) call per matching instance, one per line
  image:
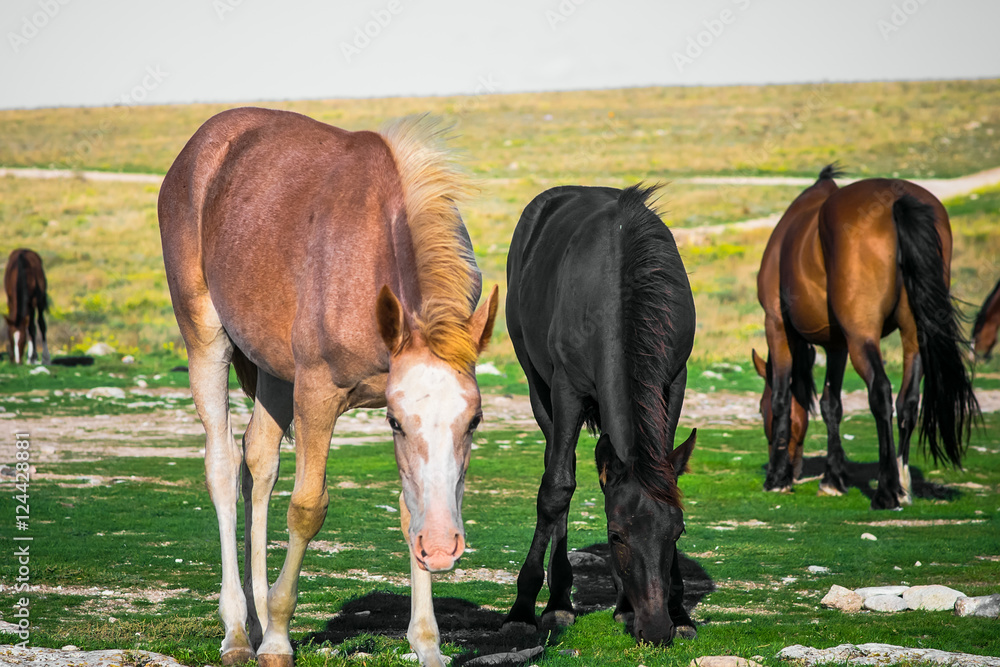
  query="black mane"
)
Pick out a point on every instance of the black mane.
point(646, 284)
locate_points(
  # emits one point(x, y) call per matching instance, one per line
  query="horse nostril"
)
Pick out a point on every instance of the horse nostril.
point(458, 544)
point(420, 546)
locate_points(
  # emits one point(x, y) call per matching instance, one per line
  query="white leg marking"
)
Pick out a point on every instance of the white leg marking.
point(17, 347)
point(905, 497)
point(29, 350)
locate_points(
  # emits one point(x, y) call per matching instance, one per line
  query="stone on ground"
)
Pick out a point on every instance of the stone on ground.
point(931, 598)
point(888, 603)
point(843, 599)
point(722, 661)
point(983, 605)
point(585, 558)
point(70, 656)
point(100, 350)
point(106, 392)
point(882, 654)
point(869, 591)
point(511, 658)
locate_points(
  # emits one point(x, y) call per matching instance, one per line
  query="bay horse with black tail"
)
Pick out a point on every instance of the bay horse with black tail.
point(602, 319)
point(844, 268)
point(24, 282)
point(332, 268)
point(984, 330)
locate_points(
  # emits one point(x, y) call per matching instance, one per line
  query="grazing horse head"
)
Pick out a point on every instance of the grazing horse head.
point(643, 530)
point(800, 417)
point(433, 408)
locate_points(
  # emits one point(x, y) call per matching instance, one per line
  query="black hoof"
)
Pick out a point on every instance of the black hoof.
point(686, 631)
point(518, 628)
point(885, 500)
point(560, 618)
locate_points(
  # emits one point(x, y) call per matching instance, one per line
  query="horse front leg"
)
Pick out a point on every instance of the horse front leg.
point(422, 632)
point(317, 406)
point(554, 496)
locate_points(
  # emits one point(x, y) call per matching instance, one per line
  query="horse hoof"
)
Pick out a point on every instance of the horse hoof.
point(238, 656)
point(686, 632)
point(779, 489)
point(905, 499)
point(559, 618)
point(518, 628)
point(272, 660)
point(829, 490)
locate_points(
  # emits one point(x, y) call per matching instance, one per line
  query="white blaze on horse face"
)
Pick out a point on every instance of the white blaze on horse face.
point(434, 411)
point(17, 347)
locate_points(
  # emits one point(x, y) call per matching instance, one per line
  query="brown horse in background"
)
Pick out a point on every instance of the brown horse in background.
point(984, 331)
point(24, 282)
point(844, 268)
point(332, 268)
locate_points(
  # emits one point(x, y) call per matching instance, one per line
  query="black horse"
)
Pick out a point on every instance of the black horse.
point(601, 316)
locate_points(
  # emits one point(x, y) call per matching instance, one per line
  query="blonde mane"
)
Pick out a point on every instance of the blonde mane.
point(433, 186)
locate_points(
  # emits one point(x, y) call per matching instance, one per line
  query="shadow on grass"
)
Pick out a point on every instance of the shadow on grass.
point(478, 630)
point(864, 477)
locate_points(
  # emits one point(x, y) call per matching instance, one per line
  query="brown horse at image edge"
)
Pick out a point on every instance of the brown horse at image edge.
point(844, 268)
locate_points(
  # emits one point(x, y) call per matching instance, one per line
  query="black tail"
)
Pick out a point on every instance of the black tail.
point(949, 405)
point(23, 296)
point(831, 171)
point(246, 373)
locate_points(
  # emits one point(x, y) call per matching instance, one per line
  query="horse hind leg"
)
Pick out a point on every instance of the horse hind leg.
point(908, 400)
point(867, 360)
point(43, 329)
point(209, 354)
point(272, 413)
point(31, 350)
point(834, 482)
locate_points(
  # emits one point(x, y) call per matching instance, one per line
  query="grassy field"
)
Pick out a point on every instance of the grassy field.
point(149, 579)
point(916, 129)
point(123, 523)
point(100, 244)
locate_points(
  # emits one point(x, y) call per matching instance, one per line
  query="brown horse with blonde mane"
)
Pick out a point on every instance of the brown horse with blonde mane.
point(332, 268)
point(844, 268)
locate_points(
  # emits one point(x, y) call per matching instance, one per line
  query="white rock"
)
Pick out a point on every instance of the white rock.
point(868, 536)
point(880, 590)
point(931, 598)
point(712, 375)
point(882, 654)
point(488, 369)
point(885, 603)
point(818, 569)
point(128, 359)
point(70, 647)
point(983, 605)
point(106, 392)
point(843, 599)
point(100, 350)
point(722, 661)
point(39, 370)
point(585, 558)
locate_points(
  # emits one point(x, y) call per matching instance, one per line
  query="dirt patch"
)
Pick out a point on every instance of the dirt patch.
point(915, 523)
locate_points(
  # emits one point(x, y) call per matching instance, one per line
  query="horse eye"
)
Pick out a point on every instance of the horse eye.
point(474, 424)
point(617, 540)
point(394, 425)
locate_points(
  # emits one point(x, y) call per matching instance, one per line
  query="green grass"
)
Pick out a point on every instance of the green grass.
point(90, 535)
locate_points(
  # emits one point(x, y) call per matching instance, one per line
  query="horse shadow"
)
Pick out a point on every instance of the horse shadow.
point(476, 629)
point(864, 477)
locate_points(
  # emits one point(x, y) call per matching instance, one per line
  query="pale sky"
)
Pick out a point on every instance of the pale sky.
point(94, 52)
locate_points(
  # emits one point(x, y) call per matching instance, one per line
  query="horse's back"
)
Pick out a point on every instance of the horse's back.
point(283, 221)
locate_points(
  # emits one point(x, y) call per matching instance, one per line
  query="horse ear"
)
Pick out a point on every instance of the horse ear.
point(481, 323)
point(679, 457)
point(391, 322)
point(759, 364)
point(606, 458)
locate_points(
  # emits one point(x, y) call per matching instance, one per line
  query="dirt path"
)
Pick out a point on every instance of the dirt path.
point(942, 188)
point(92, 437)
